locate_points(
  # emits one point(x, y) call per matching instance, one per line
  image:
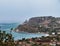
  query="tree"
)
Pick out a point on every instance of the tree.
point(6, 39)
point(11, 30)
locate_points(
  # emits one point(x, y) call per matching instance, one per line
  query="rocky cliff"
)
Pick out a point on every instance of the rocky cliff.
point(38, 24)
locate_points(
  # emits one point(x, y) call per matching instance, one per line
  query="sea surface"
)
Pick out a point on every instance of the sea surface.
point(7, 26)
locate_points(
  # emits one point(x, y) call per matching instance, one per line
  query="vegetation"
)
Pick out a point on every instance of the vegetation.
point(6, 39)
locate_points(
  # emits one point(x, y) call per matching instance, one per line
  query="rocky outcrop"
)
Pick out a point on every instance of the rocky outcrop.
point(38, 24)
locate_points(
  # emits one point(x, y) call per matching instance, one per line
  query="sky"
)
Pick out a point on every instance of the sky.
point(21, 10)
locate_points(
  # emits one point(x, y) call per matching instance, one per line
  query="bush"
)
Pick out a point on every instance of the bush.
point(6, 39)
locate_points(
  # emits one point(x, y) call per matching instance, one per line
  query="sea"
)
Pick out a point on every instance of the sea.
point(18, 36)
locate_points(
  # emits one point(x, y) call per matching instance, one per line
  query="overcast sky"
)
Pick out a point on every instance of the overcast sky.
point(20, 10)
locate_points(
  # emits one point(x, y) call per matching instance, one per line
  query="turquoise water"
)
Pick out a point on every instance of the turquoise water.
point(7, 26)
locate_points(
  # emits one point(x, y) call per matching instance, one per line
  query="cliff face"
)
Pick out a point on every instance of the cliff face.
point(38, 24)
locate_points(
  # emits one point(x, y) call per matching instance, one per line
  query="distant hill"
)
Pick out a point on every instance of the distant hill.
point(40, 24)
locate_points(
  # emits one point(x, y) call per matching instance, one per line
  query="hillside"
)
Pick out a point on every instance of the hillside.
point(40, 24)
